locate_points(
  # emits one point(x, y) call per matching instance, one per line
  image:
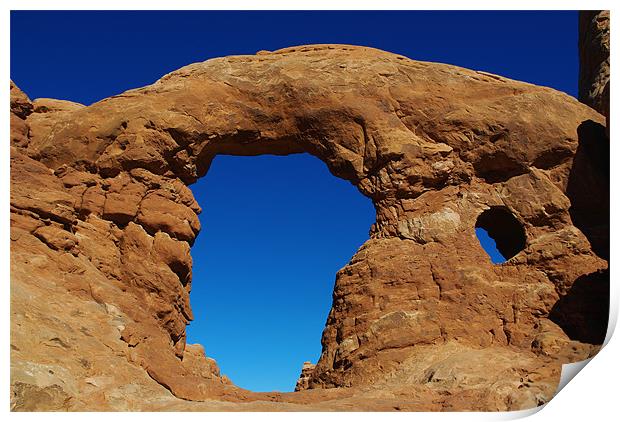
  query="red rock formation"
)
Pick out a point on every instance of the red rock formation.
point(594, 60)
point(102, 222)
point(588, 186)
point(304, 377)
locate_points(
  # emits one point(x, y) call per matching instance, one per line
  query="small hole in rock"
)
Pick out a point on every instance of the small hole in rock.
point(500, 234)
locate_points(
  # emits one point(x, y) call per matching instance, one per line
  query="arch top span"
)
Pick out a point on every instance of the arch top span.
point(367, 113)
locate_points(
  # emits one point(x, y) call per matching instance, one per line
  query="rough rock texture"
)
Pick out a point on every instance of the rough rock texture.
point(304, 377)
point(594, 60)
point(102, 222)
point(590, 209)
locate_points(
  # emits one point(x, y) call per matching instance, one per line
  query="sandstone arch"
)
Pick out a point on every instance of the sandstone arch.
point(102, 221)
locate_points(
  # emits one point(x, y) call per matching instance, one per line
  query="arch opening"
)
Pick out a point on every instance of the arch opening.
point(500, 234)
point(276, 229)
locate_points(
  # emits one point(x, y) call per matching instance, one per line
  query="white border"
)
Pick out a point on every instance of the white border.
point(309, 5)
point(592, 395)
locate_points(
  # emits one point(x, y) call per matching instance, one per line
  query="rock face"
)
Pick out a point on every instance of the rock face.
point(594, 59)
point(102, 222)
point(590, 208)
point(304, 377)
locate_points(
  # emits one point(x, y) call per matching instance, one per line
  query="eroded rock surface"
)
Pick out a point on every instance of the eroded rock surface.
point(594, 71)
point(102, 223)
point(590, 207)
point(304, 377)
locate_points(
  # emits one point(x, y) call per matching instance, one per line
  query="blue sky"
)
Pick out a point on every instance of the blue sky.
point(275, 229)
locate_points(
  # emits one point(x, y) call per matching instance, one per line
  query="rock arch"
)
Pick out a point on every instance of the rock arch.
point(101, 193)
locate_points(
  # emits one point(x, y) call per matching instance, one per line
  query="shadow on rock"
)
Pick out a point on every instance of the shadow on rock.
point(583, 313)
point(588, 186)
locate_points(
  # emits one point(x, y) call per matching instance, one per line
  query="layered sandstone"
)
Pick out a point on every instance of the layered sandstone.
point(102, 222)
